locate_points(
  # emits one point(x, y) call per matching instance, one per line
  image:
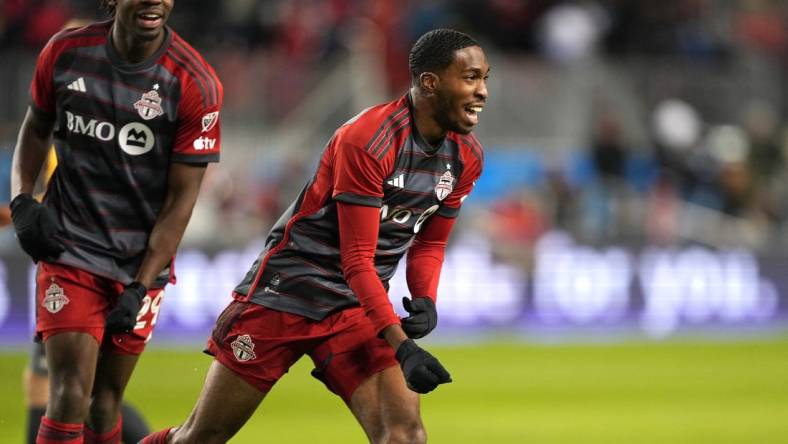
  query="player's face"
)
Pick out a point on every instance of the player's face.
point(462, 91)
point(143, 19)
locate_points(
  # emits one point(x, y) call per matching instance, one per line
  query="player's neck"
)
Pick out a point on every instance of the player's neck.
point(133, 50)
point(427, 126)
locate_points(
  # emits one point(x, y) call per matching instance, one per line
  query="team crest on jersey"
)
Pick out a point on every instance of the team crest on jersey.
point(243, 348)
point(149, 106)
point(445, 185)
point(209, 121)
point(55, 299)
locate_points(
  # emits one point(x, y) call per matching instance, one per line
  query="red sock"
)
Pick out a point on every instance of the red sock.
point(54, 432)
point(157, 438)
point(110, 437)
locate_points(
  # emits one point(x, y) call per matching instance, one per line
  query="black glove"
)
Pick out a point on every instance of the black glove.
point(35, 227)
point(123, 317)
point(422, 371)
point(423, 317)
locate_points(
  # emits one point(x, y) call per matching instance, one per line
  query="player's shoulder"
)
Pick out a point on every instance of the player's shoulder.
point(88, 35)
point(372, 127)
point(470, 146)
point(193, 70)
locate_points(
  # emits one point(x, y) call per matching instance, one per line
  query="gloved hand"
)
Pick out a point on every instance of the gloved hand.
point(35, 227)
point(422, 371)
point(123, 317)
point(423, 317)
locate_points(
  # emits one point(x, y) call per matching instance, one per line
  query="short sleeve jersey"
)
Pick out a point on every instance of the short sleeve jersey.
point(118, 127)
point(376, 159)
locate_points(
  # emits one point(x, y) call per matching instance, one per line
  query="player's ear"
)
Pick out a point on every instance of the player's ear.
point(428, 81)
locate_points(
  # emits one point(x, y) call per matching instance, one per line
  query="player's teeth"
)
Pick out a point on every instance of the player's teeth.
point(476, 109)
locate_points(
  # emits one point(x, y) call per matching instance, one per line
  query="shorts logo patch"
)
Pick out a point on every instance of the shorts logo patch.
point(243, 348)
point(55, 299)
point(445, 185)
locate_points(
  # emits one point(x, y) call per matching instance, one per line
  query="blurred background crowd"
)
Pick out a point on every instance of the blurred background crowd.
point(614, 120)
point(636, 124)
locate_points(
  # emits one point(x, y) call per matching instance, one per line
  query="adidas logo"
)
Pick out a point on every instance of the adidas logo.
point(78, 85)
point(398, 181)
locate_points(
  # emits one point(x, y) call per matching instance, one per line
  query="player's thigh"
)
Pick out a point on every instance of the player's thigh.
point(351, 354)
point(225, 404)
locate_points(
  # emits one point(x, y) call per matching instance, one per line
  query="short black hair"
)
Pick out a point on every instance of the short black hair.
point(434, 51)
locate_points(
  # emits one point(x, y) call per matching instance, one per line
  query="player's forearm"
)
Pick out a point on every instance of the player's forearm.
point(31, 150)
point(162, 246)
point(425, 257)
point(358, 237)
point(184, 186)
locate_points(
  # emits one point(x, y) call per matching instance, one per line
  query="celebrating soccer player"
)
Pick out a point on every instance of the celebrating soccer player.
point(390, 181)
point(133, 111)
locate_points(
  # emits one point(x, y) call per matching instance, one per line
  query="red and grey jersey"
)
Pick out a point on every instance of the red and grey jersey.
point(376, 159)
point(118, 127)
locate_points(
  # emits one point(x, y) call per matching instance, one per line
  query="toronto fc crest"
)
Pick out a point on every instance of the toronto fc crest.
point(445, 185)
point(243, 348)
point(149, 106)
point(55, 299)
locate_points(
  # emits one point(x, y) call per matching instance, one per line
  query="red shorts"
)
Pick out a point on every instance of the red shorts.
point(69, 299)
point(260, 345)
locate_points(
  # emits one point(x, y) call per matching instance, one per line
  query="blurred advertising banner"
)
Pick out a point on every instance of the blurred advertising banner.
point(570, 291)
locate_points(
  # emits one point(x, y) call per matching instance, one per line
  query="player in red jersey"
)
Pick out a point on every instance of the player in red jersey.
point(390, 181)
point(133, 113)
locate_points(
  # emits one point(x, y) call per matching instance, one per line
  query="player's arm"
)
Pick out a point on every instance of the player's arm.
point(183, 187)
point(182, 190)
point(424, 262)
point(31, 150)
point(35, 225)
point(358, 236)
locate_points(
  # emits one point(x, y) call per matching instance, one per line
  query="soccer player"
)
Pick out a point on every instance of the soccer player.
point(133, 111)
point(390, 181)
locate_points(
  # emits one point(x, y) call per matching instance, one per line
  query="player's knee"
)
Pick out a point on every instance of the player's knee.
point(410, 432)
point(69, 399)
point(104, 409)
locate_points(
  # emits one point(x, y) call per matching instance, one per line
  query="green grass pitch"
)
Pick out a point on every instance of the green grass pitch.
point(506, 392)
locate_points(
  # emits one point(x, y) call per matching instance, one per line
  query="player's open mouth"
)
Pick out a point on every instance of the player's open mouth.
point(472, 112)
point(149, 20)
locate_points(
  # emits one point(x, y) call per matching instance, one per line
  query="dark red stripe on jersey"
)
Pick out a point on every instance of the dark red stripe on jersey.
point(418, 170)
point(309, 281)
point(475, 147)
point(420, 153)
point(197, 59)
point(83, 58)
point(180, 62)
point(385, 142)
point(394, 115)
point(62, 37)
point(197, 68)
point(306, 298)
point(199, 83)
point(388, 145)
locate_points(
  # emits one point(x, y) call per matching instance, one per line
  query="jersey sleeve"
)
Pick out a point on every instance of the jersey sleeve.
point(358, 176)
point(198, 137)
point(42, 87)
point(453, 202)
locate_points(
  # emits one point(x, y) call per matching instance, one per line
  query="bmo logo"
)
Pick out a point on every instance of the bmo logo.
point(133, 138)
